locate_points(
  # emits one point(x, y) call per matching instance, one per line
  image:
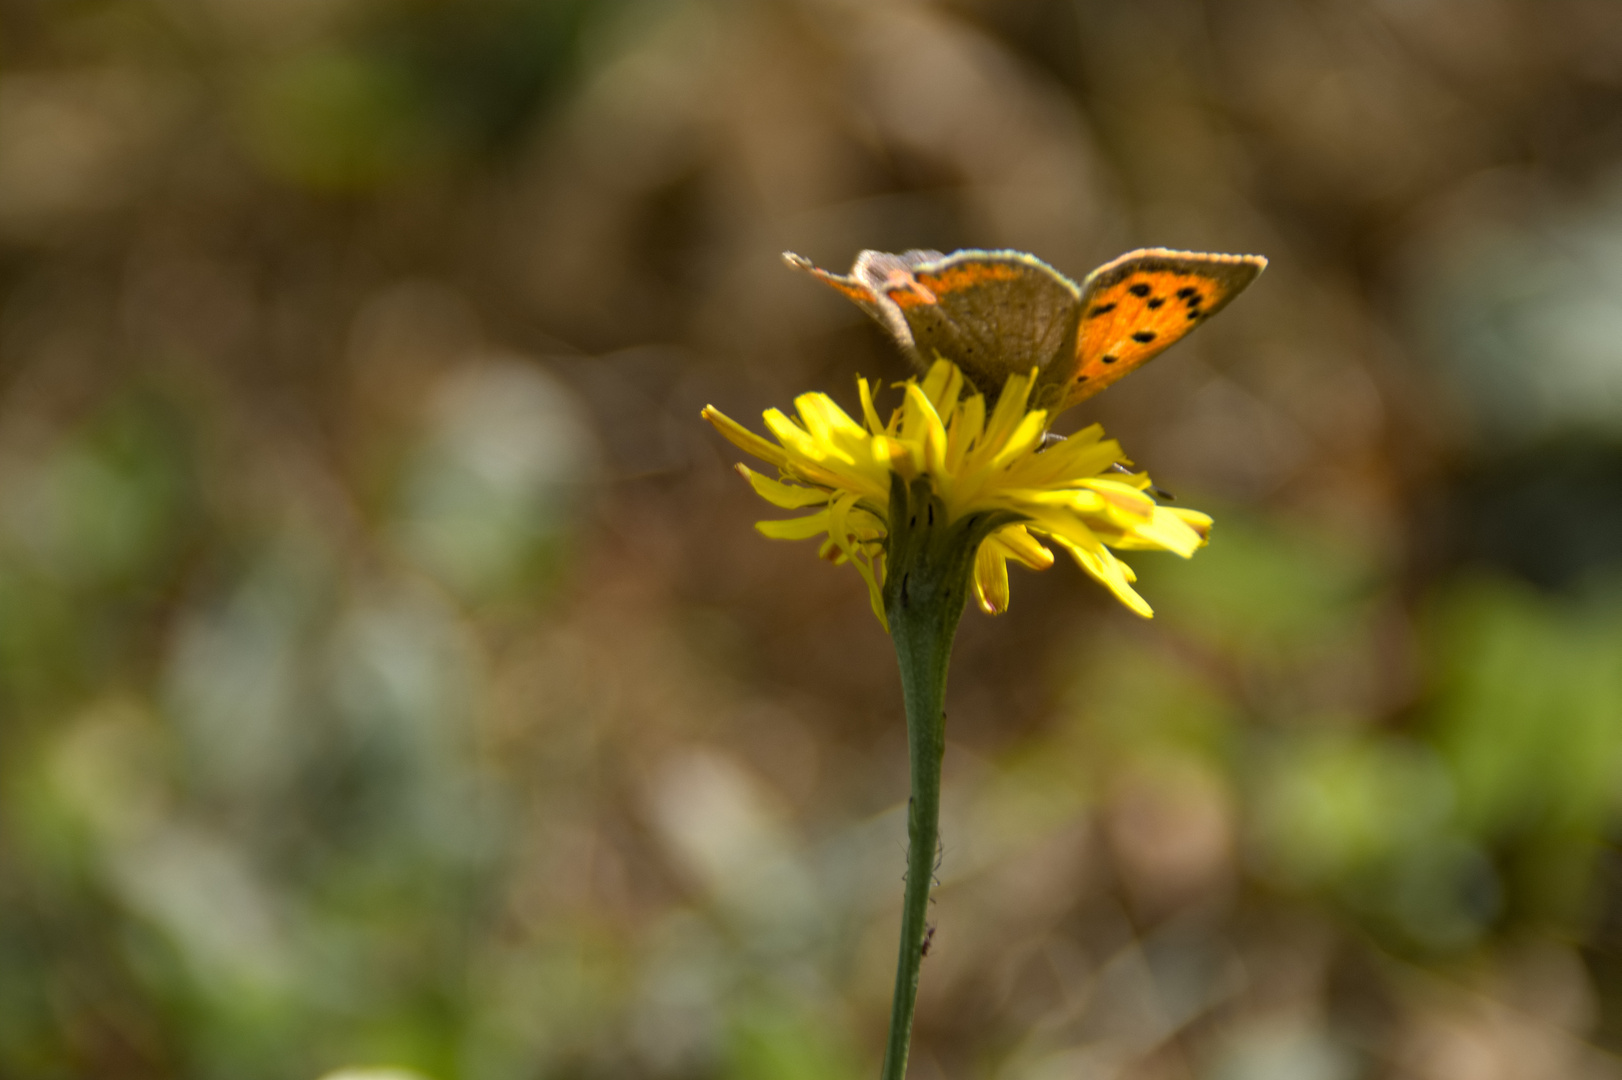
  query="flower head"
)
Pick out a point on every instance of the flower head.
point(1076, 494)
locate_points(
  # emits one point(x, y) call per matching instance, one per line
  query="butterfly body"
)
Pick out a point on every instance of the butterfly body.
point(998, 313)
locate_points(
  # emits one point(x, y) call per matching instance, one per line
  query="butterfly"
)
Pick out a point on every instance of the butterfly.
point(999, 313)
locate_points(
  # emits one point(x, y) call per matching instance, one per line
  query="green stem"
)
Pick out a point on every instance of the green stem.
point(928, 565)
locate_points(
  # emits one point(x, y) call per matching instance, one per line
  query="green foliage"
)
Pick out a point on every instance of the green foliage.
point(1486, 808)
point(775, 1040)
point(335, 121)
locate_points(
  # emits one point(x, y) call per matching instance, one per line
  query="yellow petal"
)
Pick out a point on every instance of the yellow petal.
point(930, 431)
point(1009, 411)
point(1076, 458)
point(871, 567)
point(788, 496)
point(827, 422)
point(800, 528)
point(1105, 568)
point(832, 552)
point(839, 519)
point(743, 438)
point(1030, 501)
point(1023, 546)
point(1200, 523)
point(991, 578)
point(888, 452)
point(1123, 502)
point(1026, 436)
point(870, 415)
point(942, 378)
point(968, 423)
point(795, 439)
point(1166, 531)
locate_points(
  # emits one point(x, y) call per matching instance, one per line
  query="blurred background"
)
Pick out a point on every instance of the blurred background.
point(389, 674)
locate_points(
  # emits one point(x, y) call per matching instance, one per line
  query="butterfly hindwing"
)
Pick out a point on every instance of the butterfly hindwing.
point(1144, 301)
point(993, 313)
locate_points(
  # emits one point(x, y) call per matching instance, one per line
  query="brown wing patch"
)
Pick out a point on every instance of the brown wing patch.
point(1136, 306)
point(993, 313)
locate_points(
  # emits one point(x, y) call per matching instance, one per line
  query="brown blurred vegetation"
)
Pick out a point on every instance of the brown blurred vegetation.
point(389, 672)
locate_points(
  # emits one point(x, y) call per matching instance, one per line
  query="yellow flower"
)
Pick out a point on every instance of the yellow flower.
point(1068, 493)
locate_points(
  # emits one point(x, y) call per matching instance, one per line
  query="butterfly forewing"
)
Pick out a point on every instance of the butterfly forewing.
point(859, 286)
point(1137, 305)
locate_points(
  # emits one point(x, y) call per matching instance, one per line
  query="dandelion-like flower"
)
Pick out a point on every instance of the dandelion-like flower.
point(1077, 494)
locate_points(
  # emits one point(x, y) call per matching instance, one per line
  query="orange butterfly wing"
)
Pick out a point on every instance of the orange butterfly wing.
point(1135, 306)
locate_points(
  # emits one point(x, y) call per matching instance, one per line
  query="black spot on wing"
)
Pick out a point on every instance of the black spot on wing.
point(1101, 309)
point(1156, 302)
point(1140, 289)
point(1144, 336)
point(1185, 292)
point(1108, 359)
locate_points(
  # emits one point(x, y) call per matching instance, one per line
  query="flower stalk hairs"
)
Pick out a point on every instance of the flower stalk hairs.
point(930, 504)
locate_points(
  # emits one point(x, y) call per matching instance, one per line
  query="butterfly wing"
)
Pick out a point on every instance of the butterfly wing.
point(1144, 301)
point(993, 313)
point(865, 286)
